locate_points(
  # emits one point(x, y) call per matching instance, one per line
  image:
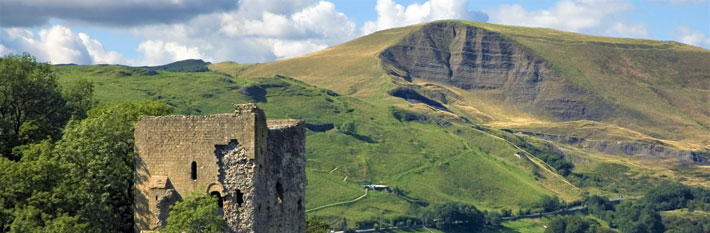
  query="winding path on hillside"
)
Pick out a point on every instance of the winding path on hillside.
point(535, 160)
point(339, 203)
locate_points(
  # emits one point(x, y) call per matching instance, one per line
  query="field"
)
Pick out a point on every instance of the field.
point(424, 158)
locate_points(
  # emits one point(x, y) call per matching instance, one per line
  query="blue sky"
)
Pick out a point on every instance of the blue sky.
point(151, 32)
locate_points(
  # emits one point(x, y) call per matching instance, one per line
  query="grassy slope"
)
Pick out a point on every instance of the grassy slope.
point(430, 162)
point(662, 89)
point(426, 160)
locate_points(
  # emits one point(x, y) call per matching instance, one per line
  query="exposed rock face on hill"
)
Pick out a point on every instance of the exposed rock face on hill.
point(655, 150)
point(475, 59)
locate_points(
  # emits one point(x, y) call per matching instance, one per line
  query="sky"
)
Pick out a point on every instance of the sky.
point(155, 32)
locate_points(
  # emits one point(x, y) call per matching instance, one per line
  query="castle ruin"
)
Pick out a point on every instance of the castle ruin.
point(255, 167)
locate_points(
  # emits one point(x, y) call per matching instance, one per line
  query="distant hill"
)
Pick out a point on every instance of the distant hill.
point(189, 65)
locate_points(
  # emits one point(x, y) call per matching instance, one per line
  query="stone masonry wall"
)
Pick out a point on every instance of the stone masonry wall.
point(258, 172)
point(237, 176)
point(167, 146)
point(281, 183)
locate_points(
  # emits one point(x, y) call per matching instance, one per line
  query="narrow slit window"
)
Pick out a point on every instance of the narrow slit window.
point(193, 170)
point(240, 198)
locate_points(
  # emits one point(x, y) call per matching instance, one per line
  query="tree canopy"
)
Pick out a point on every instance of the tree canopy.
point(32, 105)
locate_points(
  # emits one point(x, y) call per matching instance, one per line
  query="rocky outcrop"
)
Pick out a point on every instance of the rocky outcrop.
point(413, 97)
point(475, 59)
point(627, 147)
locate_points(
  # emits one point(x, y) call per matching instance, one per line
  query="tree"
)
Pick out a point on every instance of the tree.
point(316, 225)
point(452, 215)
point(82, 183)
point(550, 203)
point(556, 225)
point(32, 107)
point(80, 98)
point(493, 219)
point(195, 214)
point(570, 224)
point(98, 155)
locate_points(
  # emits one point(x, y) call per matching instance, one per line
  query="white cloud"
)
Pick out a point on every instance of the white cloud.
point(58, 45)
point(97, 52)
point(679, 2)
point(689, 36)
point(391, 14)
point(258, 31)
point(288, 49)
point(160, 52)
point(603, 17)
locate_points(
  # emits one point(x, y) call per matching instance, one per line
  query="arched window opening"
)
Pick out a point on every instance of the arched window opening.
point(300, 204)
point(193, 173)
point(240, 198)
point(279, 192)
point(219, 198)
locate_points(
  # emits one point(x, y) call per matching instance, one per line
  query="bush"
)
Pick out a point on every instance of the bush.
point(195, 214)
point(316, 225)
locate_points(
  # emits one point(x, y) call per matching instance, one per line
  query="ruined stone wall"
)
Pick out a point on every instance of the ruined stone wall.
point(281, 183)
point(237, 176)
point(258, 172)
point(167, 146)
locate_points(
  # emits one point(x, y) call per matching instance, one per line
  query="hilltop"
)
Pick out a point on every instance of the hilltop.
point(513, 76)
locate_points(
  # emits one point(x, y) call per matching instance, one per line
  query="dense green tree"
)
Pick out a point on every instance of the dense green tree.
point(597, 205)
point(316, 225)
point(493, 219)
point(550, 203)
point(32, 107)
point(556, 225)
point(668, 197)
point(83, 183)
point(455, 215)
point(570, 224)
point(195, 214)
point(80, 98)
point(98, 154)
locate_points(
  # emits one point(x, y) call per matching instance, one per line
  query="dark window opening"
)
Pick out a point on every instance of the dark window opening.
point(219, 198)
point(156, 198)
point(240, 198)
point(279, 192)
point(300, 204)
point(193, 173)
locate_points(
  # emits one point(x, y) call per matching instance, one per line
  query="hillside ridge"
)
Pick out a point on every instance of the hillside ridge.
point(509, 74)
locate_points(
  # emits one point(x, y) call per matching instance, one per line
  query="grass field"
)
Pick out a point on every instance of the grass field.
point(423, 158)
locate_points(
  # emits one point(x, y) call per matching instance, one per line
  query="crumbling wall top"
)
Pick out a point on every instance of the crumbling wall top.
point(280, 124)
point(245, 108)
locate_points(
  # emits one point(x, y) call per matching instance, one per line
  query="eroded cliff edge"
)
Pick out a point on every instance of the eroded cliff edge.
point(478, 60)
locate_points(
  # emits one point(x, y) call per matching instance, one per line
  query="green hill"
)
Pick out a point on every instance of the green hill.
point(455, 111)
point(367, 142)
point(513, 76)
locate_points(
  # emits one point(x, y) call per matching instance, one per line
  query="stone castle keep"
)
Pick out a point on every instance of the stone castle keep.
point(256, 168)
